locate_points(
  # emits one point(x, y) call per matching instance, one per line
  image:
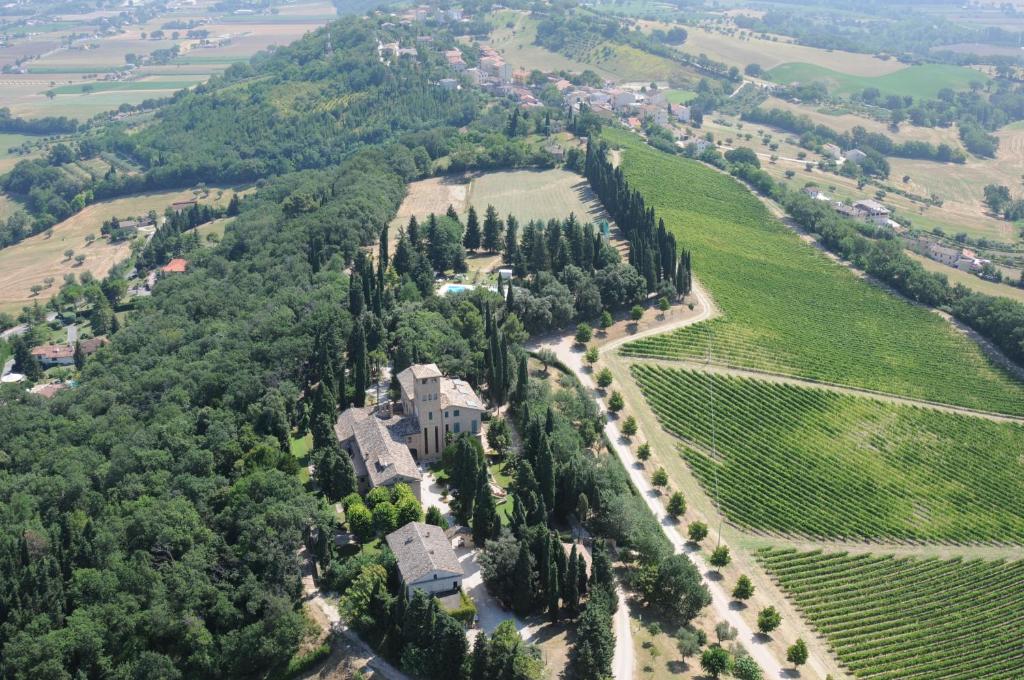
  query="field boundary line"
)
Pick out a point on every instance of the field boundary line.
point(814, 383)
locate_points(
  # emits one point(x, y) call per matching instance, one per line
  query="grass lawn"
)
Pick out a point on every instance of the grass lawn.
point(301, 447)
point(919, 81)
point(680, 96)
point(786, 308)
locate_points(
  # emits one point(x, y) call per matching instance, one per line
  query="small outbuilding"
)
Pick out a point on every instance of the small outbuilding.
point(426, 559)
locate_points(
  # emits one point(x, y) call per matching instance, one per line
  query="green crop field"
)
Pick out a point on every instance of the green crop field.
point(131, 85)
point(921, 81)
point(826, 464)
point(893, 618)
point(788, 309)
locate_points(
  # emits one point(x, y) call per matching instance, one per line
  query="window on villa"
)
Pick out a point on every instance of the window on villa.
point(430, 416)
point(473, 426)
point(457, 428)
point(456, 413)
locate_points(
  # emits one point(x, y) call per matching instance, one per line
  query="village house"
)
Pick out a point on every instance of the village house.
point(425, 559)
point(656, 114)
point(832, 151)
point(175, 266)
point(681, 113)
point(943, 254)
point(815, 193)
point(856, 155)
point(849, 211)
point(873, 211)
point(49, 356)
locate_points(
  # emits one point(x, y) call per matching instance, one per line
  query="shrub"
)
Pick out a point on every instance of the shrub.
point(629, 426)
point(677, 504)
point(643, 452)
point(659, 478)
point(697, 531)
point(744, 589)
point(583, 333)
point(720, 557)
point(604, 378)
point(768, 619)
point(615, 402)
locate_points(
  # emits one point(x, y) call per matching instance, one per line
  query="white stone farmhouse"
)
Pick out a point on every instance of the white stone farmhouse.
point(426, 560)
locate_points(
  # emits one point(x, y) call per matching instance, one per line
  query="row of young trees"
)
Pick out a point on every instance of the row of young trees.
point(652, 249)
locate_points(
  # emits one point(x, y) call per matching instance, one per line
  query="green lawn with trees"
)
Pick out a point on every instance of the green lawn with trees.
point(889, 617)
point(820, 463)
point(788, 309)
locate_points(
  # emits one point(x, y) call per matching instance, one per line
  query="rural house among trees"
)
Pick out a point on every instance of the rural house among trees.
point(426, 560)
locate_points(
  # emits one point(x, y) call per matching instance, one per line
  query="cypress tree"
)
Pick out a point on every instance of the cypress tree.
point(522, 381)
point(553, 594)
point(581, 576)
point(570, 582)
point(471, 239)
point(356, 300)
point(492, 230)
point(360, 367)
point(79, 356)
point(522, 582)
point(480, 660)
point(485, 516)
point(546, 474)
point(511, 250)
point(452, 214)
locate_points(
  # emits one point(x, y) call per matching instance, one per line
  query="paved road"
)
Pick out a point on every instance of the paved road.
point(720, 599)
point(72, 334)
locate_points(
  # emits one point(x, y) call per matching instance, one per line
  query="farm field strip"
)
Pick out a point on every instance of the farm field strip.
point(819, 463)
point(920, 81)
point(788, 309)
point(889, 617)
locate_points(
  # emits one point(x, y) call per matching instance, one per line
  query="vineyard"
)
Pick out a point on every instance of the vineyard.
point(820, 463)
point(893, 618)
point(788, 309)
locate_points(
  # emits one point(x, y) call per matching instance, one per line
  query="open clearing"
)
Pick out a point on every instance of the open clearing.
point(788, 309)
point(771, 53)
point(821, 463)
point(891, 618)
point(31, 261)
point(920, 81)
point(527, 194)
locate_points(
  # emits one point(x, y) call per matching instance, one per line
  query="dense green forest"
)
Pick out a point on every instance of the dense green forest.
point(150, 517)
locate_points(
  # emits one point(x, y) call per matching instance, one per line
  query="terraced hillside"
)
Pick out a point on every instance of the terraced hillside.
point(788, 309)
point(889, 618)
point(816, 462)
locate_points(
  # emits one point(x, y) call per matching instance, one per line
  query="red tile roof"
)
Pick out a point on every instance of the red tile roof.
point(175, 266)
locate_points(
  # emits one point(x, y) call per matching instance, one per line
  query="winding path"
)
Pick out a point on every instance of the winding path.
point(756, 644)
point(720, 601)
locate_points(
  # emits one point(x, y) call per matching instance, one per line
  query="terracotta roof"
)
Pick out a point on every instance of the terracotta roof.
point(421, 549)
point(381, 454)
point(458, 393)
point(49, 390)
point(53, 352)
point(175, 266)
